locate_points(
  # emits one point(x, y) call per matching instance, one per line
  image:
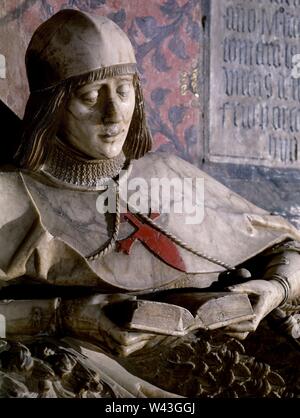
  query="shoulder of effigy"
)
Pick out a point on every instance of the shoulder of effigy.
point(165, 163)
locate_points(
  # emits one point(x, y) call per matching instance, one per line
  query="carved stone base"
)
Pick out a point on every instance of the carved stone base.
point(211, 365)
point(205, 365)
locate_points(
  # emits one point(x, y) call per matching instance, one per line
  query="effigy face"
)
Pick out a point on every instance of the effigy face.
point(98, 115)
point(84, 89)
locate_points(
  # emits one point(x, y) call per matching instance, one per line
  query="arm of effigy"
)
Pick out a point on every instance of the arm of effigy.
point(82, 318)
point(283, 270)
point(277, 284)
point(85, 318)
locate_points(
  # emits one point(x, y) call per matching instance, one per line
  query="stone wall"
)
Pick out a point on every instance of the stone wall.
point(252, 122)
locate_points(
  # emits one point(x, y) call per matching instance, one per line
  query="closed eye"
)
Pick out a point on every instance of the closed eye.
point(90, 98)
point(124, 90)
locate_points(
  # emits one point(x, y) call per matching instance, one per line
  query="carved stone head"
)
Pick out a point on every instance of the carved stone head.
point(82, 74)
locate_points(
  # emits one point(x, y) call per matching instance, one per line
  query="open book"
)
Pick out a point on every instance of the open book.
point(177, 313)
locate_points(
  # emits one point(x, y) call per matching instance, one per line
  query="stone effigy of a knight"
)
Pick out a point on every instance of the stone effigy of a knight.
point(79, 240)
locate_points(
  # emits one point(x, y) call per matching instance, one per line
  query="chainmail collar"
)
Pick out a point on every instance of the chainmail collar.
point(68, 168)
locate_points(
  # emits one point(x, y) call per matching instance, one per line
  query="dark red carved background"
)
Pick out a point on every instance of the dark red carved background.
point(165, 35)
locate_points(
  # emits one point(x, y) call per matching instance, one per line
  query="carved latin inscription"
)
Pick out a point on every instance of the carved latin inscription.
point(254, 112)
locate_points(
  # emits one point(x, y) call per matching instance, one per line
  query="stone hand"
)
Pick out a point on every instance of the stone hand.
point(121, 341)
point(86, 318)
point(264, 296)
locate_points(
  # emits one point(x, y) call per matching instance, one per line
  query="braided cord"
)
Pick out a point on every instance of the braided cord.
point(107, 248)
point(291, 307)
point(181, 243)
point(111, 244)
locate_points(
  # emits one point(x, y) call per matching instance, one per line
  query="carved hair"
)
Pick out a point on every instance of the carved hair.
point(45, 108)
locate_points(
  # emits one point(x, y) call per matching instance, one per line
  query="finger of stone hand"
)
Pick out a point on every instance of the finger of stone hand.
point(259, 309)
point(250, 326)
point(121, 336)
point(245, 326)
point(243, 288)
point(238, 335)
point(129, 338)
point(126, 350)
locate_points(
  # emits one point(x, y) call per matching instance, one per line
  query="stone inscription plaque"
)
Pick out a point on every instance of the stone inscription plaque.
point(254, 91)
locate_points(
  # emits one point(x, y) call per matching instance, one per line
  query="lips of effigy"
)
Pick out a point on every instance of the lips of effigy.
point(111, 132)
